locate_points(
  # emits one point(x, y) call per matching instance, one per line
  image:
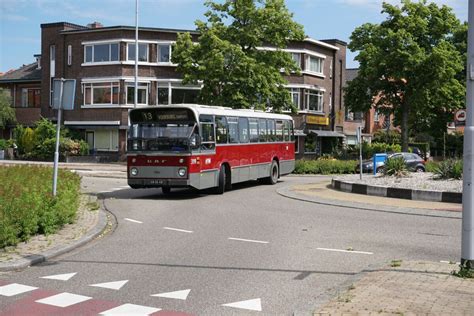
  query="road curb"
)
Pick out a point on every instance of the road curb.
point(58, 250)
point(289, 192)
point(399, 193)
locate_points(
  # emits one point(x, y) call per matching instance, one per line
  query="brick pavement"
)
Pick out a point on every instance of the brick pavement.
point(413, 288)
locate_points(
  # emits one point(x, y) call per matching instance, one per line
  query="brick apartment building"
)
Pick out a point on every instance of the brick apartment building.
point(101, 59)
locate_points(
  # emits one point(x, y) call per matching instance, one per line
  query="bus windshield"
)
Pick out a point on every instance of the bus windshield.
point(165, 131)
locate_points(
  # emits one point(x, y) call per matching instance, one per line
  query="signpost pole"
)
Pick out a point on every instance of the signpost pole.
point(359, 139)
point(467, 241)
point(56, 152)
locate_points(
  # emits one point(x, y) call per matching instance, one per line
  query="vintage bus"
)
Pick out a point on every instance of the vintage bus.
point(207, 147)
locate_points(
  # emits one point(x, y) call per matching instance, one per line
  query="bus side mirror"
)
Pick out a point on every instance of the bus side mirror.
point(195, 140)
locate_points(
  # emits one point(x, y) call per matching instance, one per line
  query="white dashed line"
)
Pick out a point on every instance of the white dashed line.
point(60, 277)
point(179, 295)
point(133, 220)
point(116, 285)
point(347, 251)
point(178, 230)
point(249, 240)
point(450, 262)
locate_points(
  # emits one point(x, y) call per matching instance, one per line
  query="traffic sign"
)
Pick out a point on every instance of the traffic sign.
point(460, 117)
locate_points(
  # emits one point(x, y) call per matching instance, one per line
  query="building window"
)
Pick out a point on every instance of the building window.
point(310, 144)
point(142, 52)
point(314, 64)
point(30, 98)
point(295, 97)
point(69, 55)
point(163, 94)
point(142, 96)
point(296, 58)
point(106, 140)
point(164, 53)
point(103, 93)
point(314, 100)
point(297, 145)
point(181, 95)
point(52, 61)
point(101, 53)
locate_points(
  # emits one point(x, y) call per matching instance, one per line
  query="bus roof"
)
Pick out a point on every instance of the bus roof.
point(199, 109)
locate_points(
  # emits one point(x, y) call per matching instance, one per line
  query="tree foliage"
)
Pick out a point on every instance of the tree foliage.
point(227, 60)
point(7, 113)
point(410, 65)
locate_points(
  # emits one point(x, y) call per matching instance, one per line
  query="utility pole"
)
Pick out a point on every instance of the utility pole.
point(136, 55)
point(467, 243)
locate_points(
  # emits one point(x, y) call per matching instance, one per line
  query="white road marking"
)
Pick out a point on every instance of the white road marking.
point(116, 285)
point(61, 277)
point(253, 305)
point(178, 230)
point(133, 220)
point(63, 300)
point(347, 251)
point(131, 309)
point(249, 240)
point(179, 295)
point(15, 288)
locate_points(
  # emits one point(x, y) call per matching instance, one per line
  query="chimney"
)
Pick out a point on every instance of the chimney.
point(38, 61)
point(95, 25)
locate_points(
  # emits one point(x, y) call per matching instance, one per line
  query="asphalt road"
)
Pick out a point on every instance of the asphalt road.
point(249, 245)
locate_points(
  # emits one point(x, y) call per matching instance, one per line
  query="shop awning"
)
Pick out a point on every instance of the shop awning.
point(327, 133)
point(299, 132)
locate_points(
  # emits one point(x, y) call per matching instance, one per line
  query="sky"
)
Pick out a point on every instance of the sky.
point(20, 32)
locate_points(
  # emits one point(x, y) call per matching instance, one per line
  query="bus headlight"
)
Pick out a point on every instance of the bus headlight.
point(134, 171)
point(181, 172)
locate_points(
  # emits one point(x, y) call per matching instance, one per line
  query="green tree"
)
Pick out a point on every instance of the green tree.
point(7, 113)
point(409, 66)
point(227, 60)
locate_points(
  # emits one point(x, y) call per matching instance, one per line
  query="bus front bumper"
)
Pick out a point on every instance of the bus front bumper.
point(156, 183)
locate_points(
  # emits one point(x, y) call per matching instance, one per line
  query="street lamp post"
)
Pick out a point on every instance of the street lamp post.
point(136, 55)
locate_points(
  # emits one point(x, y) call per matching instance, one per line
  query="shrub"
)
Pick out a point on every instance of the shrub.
point(25, 139)
point(395, 167)
point(449, 169)
point(389, 137)
point(27, 206)
point(3, 144)
point(369, 150)
point(431, 166)
point(325, 166)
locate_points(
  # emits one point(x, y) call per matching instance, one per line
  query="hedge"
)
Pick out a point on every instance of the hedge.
point(324, 166)
point(27, 206)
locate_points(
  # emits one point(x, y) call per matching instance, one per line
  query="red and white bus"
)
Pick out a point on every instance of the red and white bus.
point(205, 146)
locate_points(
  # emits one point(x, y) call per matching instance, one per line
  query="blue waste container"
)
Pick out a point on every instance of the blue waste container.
point(378, 160)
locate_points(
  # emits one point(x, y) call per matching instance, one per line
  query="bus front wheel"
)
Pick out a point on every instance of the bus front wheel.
point(220, 189)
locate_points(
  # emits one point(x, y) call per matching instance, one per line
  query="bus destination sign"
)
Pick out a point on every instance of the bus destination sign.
point(161, 115)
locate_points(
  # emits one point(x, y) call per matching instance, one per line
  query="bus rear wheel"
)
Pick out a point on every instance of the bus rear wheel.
point(274, 173)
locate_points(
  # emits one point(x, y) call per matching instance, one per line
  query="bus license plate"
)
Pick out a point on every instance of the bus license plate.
point(157, 181)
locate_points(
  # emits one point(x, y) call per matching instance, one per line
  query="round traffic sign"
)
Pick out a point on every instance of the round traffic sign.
point(460, 116)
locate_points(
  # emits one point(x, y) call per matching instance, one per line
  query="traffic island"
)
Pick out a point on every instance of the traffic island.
point(416, 186)
point(91, 221)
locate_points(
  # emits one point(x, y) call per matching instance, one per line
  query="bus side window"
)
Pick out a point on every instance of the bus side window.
point(233, 124)
point(271, 131)
point(262, 135)
point(253, 128)
point(292, 132)
point(243, 130)
point(207, 132)
point(279, 131)
point(221, 130)
point(286, 131)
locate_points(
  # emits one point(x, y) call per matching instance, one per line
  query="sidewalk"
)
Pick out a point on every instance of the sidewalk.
point(397, 288)
point(414, 288)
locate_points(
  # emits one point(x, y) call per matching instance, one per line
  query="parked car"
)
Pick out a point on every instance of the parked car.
point(413, 162)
